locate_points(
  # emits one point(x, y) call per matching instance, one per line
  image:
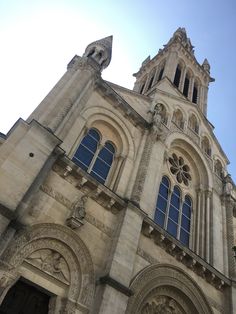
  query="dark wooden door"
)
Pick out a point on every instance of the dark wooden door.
point(24, 299)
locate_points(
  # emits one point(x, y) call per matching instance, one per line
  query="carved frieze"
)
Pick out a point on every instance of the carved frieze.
point(162, 305)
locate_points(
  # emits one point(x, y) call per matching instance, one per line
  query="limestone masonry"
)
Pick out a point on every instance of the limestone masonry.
point(118, 201)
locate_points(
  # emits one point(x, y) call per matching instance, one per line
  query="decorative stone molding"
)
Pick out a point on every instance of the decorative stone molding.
point(183, 254)
point(60, 252)
point(147, 256)
point(87, 185)
point(162, 284)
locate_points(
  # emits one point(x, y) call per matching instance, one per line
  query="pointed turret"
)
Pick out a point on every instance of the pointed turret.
point(100, 51)
point(180, 35)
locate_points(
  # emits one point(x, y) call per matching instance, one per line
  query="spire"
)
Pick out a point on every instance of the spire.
point(180, 35)
point(206, 66)
point(100, 51)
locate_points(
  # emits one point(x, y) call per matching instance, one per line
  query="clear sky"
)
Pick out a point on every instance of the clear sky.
point(39, 38)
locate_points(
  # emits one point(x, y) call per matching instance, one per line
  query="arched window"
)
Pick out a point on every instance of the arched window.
point(177, 76)
point(162, 202)
point(193, 124)
point(150, 82)
point(218, 168)
point(86, 150)
point(94, 158)
point(160, 75)
point(185, 221)
point(103, 162)
point(206, 146)
point(195, 94)
point(173, 213)
point(186, 86)
point(178, 119)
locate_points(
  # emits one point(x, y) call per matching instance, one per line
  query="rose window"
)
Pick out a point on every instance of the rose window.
point(180, 169)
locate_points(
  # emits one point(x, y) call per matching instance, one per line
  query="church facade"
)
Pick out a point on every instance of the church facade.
point(115, 200)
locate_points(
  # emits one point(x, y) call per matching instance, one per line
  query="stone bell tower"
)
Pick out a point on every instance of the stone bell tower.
point(176, 63)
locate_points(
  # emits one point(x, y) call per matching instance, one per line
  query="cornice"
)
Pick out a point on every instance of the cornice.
point(119, 102)
point(184, 255)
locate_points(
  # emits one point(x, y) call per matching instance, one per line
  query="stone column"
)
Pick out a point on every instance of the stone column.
point(182, 79)
point(190, 89)
point(208, 225)
point(198, 222)
point(119, 270)
point(142, 170)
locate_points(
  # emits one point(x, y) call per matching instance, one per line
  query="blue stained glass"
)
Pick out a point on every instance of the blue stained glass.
point(159, 218)
point(186, 210)
point(83, 157)
point(172, 228)
point(165, 181)
point(185, 223)
point(94, 134)
point(174, 214)
point(161, 203)
point(184, 237)
point(163, 191)
point(86, 150)
point(110, 147)
point(103, 163)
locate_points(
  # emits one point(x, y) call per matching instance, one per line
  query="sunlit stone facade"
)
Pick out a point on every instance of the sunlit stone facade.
point(115, 200)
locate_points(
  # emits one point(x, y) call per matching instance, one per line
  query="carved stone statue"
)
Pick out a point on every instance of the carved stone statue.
point(228, 185)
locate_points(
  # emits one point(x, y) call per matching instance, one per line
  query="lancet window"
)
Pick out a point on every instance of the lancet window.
point(94, 157)
point(173, 211)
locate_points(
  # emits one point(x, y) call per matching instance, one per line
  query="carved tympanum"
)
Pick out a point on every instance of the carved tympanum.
point(161, 305)
point(50, 262)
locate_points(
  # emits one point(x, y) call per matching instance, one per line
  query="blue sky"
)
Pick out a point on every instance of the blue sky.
point(39, 38)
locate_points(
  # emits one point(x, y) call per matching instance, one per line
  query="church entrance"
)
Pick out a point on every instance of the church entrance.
point(23, 298)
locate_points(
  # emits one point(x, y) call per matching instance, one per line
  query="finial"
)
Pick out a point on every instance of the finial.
point(100, 51)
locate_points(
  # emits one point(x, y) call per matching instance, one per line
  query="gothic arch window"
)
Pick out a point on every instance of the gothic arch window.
point(218, 168)
point(142, 85)
point(150, 82)
point(193, 123)
point(195, 93)
point(93, 157)
point(177, 76)
point(161, 71)
point(178, 118)
point(206, 146)
point(186, 85)
point(173, 211)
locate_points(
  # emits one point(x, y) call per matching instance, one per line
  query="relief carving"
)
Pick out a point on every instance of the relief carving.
point(77, 213)
point(162, 305)
point(50, 262)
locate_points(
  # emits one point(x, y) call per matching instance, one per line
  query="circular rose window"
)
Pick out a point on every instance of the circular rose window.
point(180, 169)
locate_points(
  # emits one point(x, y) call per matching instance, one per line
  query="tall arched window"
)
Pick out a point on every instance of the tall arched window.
point(186, 86)
point(94, 158)
point(160, 75)
point(193, 123)
point(177, 76)
point(195, 94)
point(178, 118)
point(173, 212)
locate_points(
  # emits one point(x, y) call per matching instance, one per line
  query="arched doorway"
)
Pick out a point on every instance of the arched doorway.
point(166, 289)
point(24, 298)
point(54, 258)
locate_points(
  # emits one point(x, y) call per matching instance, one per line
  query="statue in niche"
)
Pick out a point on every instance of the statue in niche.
point(77, 213)
point(157, 120)
point(51, 262)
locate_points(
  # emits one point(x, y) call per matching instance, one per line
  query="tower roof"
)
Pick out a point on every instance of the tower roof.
point(101, 51)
